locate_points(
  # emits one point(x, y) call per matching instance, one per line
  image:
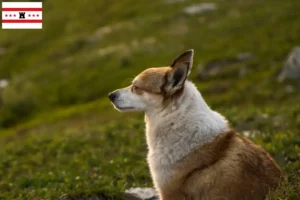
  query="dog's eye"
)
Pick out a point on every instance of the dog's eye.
point(134, 88)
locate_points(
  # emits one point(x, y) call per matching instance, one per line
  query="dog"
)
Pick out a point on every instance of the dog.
point(193, 154)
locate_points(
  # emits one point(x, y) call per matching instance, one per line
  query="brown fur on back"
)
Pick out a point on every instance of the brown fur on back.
point(230, 167)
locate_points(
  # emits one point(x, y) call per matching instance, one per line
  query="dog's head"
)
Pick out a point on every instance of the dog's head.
point(151, 88)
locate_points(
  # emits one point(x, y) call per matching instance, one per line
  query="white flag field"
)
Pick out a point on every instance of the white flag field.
point(22, 15)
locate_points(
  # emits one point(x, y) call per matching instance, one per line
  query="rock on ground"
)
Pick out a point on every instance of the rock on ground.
point(141, 194)
point(291, 68)
point(3, 83)
point(199, 8)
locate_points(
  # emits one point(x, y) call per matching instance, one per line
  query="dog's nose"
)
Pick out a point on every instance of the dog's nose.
point(112, 96)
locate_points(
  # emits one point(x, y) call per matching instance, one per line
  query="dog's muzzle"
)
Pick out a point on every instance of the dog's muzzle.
point(112, 96)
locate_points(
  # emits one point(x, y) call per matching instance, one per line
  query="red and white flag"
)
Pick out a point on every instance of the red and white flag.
point(22, 15)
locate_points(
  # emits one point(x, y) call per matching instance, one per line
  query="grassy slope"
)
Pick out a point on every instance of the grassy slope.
point(60, 135)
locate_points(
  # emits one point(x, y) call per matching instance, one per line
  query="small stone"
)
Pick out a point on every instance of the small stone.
point(3, 83)
point(289, 89)
point(246, 133)
point(199, 8)
point(291, 68)
point(141, 194)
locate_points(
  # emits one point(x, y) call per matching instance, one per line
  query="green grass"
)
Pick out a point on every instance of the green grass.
point(87, 160)
point(61, 138)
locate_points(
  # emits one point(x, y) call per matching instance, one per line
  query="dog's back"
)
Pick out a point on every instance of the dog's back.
point(230, 167)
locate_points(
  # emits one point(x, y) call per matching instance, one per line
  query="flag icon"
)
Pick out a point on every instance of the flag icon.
point(22, 15)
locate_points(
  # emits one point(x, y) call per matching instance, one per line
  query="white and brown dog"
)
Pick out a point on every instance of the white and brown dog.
point(193, 153)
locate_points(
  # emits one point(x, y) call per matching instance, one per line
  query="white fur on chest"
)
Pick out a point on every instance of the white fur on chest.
point(173, 135)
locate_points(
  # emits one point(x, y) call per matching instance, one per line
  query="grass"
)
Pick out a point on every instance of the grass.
point(75, 159)
point(61, 138)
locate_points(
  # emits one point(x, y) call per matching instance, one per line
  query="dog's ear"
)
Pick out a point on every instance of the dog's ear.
point(186, 57)
point(181, 68)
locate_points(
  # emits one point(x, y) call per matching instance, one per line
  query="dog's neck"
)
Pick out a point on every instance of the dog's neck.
point(187, 121)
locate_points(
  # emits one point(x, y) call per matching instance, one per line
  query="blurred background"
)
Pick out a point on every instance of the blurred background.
point(61, 138)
